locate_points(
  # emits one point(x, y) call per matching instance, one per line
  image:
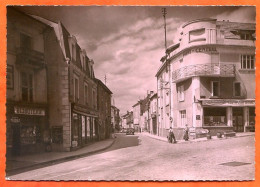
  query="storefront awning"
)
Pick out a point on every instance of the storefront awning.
point(228, 102)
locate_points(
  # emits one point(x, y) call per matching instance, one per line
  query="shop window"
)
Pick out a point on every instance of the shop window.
point(183, 119)
point(247, 62)
point(76, 89)
point(181, 93)
point(237, 89)
point(25, 41)
point(215, 88)
point(215, 117)
point(27, 86)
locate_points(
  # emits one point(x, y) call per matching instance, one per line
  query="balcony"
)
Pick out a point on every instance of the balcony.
point(209, 70)
point(29, 57)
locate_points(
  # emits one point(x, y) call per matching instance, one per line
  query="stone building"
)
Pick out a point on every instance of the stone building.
point(27, 119)
point(72, 90)
point(207, 80)
point(104, 109)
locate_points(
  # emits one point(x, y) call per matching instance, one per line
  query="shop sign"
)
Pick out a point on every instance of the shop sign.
point(201, 50)
point(81, 109)
point(226, 102)
point(29, 111)
point(15, 120)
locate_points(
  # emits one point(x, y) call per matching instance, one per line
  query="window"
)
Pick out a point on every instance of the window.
point(247, 62)
point(237, 89)
point(246, 36)
point(76, 89)
point(94, 98)
point(73, 49)
point(27, 87)
point(86, 94)
point(181, 93)
point(197, 35)
point(215, 88)
point(183, 119)
point(25, 41)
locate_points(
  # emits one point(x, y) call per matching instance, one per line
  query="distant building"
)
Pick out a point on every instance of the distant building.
point(137, 116)
point(115, 118)
point(207, 80)
point(153, 114)
point(104, 109)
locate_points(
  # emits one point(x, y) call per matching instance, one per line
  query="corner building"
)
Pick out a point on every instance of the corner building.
point(207, 80)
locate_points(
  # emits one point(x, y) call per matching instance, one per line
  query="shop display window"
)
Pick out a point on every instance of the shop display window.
point(28, 135)
point(215, 117)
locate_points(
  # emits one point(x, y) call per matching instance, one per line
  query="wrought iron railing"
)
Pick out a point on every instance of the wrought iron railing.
point(224, 70)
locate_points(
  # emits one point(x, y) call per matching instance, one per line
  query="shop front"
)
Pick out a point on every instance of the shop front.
point(84, 127)
point(27, 128)
point(223, 114)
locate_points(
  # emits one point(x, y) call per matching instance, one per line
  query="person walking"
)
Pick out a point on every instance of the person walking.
point(186, 133)
point(171, 136)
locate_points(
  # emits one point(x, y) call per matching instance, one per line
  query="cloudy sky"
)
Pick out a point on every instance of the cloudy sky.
point(127, 43)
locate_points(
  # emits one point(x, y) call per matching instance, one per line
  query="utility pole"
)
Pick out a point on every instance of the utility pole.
point(164, 12)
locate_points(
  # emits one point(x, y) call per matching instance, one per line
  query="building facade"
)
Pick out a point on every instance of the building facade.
point(104, 110)
point(115, 119)
point(26, 98)
point(207, 80)
point(137, 116)
point(153, 114)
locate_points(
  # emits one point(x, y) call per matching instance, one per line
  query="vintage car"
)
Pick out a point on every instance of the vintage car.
point(130, 131)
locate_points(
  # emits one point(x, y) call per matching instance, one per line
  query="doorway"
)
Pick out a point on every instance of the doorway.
point(238, 119)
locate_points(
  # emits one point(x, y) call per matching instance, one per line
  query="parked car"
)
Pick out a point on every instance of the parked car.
point(130, 131)
point(123, 130)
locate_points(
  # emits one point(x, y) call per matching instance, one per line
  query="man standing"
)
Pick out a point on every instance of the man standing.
point(171, 136)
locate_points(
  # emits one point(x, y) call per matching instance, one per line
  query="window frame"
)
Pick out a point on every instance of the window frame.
point(212, 89)
point(245, 62)
point(76, 97)
point(30, 89)
point(234, 89)
point(181, 94)
point(183, 118)
point(85, 93)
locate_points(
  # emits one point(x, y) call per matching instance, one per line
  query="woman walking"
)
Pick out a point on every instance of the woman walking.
point(186, 133)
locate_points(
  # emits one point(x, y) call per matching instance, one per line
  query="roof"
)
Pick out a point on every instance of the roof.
point(103, 85)
point(198, 20)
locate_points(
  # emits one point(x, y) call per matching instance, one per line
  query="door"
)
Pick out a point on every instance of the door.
point(238, 120)
point(16, 139)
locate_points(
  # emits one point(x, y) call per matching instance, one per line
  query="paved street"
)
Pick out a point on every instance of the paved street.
point(140, 157)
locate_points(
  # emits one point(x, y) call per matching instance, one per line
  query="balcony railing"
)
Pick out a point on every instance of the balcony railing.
point(222, 70)
point(29, 57)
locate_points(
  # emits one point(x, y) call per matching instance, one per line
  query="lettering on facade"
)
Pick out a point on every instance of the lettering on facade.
point(201, 50)
point(29, 111)
point(224, 102)
point(84, 110)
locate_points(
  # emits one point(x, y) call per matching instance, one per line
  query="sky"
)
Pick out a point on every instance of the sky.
point(127, 42)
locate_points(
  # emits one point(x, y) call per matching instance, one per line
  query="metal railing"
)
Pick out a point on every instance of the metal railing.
point(224, 70)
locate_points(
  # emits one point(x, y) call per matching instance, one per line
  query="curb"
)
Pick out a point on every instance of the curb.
point(60, 160)
point(203, 140)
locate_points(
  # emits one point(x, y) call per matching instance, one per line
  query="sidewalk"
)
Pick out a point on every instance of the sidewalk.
point(242, 134)
point(29, 161)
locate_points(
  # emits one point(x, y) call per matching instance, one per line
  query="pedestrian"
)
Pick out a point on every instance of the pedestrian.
point(186, 133)
point(171, 136)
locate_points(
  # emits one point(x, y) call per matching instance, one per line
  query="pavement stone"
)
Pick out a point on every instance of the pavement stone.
point(28, 161)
